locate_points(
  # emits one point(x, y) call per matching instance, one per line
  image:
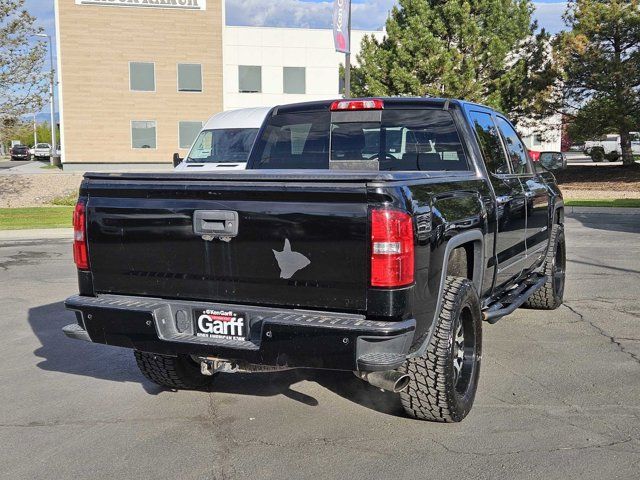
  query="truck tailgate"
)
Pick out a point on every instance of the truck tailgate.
point(300, 242)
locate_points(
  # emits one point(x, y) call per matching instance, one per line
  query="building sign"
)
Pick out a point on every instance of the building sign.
point(341, 30)
point(172, 4)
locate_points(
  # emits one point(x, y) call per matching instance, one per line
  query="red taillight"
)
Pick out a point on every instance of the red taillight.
point(391, 248)
point(357, 105)
point(80, 253)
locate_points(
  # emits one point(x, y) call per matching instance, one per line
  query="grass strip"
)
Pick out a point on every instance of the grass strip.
point(617, 202)
point(35, 217)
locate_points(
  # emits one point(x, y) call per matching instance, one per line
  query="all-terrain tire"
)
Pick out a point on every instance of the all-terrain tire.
point(180, 373)
point(551, 295)
point(597, 154)
point(438, 391)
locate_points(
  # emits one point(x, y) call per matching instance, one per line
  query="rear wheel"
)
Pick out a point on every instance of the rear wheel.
point(597, 154)
point(444, 380)
point(551, 295)
point(180, 372)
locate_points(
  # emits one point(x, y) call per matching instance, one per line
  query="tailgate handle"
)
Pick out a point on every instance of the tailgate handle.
point(215, 223)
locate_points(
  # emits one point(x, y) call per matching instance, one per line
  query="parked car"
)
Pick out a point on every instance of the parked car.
point(369, 235)
point(42, 151)
point(20, 152)
point(553, 160)
point(609, 147)
point(225, 141)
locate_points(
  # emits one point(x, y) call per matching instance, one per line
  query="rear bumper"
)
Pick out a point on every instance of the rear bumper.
point(278, 337)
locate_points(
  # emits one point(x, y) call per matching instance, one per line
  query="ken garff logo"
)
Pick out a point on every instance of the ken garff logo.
point(288, 261)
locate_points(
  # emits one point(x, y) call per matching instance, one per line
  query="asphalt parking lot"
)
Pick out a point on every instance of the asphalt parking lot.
point(559, 394)
point(6, 164)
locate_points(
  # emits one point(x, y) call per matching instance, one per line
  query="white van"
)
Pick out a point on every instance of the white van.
point(225, 141)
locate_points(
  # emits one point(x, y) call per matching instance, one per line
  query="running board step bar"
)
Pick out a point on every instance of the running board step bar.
point(514, 299)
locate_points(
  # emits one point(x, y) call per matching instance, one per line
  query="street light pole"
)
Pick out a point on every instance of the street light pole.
point(35, 132)
point(52, 80)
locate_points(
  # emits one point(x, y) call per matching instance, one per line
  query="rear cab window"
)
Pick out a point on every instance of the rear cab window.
point(424, 139)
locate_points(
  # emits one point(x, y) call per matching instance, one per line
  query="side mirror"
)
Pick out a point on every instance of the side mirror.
point(539, 167)
point(176, 159)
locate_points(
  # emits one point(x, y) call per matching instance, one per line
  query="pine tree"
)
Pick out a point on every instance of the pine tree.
point(601, 57)
point(483, 51)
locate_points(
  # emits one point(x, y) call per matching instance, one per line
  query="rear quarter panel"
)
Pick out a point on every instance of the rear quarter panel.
point(442, 209)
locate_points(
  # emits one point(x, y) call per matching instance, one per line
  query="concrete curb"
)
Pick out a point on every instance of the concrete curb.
point(37, 234)
point(603, 210)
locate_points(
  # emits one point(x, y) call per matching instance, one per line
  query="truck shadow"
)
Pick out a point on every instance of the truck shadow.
point(347, 386)
point(627, 223)
point(263, 385)
point(58, 353)
point(343, 384)
point(61, 354)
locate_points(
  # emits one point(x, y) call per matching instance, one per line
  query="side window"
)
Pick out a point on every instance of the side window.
point(142, 77)
point(515, 148)
point(249, 79)
point(189, 77)
point(490, 144)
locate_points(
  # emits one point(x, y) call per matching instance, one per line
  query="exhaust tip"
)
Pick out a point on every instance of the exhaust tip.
point(389, 380)
point(402, 383)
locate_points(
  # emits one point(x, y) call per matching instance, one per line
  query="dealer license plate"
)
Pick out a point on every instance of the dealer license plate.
point(224, 324)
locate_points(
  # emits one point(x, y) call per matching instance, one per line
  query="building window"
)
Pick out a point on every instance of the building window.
point(143, 134)
point(294, 80)
point(142, 77)
point(187, 133)
point(537, 140)
point(249, 79)
point(340, 83)
point(189, 77)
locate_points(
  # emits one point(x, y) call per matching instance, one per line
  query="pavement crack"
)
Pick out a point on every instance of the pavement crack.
point(222, 439)
point(532, 450)
point(97, 422)
point(613, 340)
point(570, 308)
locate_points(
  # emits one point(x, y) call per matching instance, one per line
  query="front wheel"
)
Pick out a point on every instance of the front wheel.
point(444, 380)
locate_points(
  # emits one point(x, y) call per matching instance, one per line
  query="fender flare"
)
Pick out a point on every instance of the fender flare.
point(467, 236)
point(557, 205)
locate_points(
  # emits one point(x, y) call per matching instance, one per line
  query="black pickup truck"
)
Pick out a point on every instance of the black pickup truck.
point(370, 235)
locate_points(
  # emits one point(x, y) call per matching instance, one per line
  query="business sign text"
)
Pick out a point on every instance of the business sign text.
point(171, 4)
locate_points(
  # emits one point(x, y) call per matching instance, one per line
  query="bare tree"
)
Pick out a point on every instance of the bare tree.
point(22, 85)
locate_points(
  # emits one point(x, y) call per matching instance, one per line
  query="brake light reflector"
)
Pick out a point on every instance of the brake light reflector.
point(391, 248)
point(357, 105)
point(80, 252)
